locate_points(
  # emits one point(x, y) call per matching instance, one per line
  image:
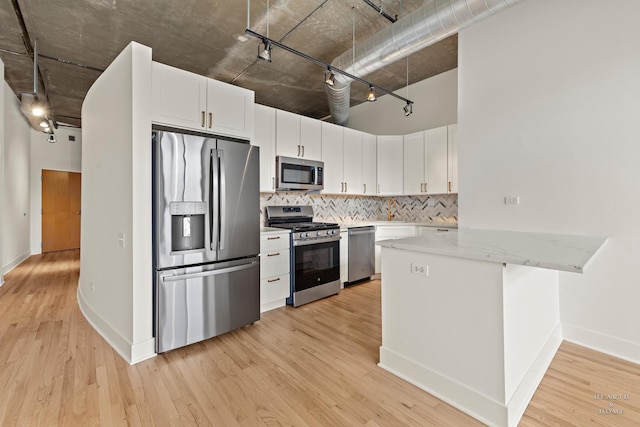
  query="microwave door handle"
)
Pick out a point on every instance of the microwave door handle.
point(222, 208)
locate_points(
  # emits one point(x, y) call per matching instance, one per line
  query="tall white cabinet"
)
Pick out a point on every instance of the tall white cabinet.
point(390, 165)
point(425, 162)
point(265, 137)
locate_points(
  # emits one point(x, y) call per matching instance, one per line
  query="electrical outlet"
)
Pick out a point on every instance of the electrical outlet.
point(122, 240)
point(419, 269)
point(511, 200)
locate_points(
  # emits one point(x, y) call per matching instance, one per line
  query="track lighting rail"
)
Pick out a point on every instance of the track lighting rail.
point(270, 42)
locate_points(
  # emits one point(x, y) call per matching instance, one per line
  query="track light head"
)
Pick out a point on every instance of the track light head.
point(330, 80)
point(51, 138)
point(408, 109)
point(372, 96)
point(265, 54)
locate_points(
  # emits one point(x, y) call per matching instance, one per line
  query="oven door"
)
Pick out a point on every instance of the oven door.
point(315, 263)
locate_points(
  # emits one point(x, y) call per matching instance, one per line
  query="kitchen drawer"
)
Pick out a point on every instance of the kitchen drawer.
point(273, 241)
point(274, 263)
point(274, 289)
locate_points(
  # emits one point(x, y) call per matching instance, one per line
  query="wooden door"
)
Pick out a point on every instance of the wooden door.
point(60, 210)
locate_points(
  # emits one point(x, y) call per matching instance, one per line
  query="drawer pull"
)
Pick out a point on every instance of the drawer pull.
point(273, 238)
point(203, 119)
point(276, 254)
point(277, 279)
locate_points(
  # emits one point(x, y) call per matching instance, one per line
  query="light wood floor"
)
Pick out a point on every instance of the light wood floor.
point(314, 365)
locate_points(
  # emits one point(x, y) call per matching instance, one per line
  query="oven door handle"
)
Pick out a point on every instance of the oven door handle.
point(316, 241)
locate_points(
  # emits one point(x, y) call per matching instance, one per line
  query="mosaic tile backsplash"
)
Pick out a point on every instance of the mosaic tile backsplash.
point(347, 209)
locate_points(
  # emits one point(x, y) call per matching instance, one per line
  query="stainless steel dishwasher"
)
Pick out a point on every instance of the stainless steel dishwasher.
point(362, 242)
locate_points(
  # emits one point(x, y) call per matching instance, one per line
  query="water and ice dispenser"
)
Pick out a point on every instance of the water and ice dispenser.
point(187, 226)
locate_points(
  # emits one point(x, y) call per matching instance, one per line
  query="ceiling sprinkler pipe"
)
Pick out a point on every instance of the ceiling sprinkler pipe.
point(433, 22)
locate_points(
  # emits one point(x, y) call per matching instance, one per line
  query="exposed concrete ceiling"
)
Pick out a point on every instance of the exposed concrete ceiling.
point(77, 39)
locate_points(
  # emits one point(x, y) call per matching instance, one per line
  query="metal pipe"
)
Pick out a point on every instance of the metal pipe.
point(434, 21)
point(380, 11)
point(35, 66)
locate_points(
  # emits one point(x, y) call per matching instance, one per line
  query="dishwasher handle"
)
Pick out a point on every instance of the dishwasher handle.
point(362, 230)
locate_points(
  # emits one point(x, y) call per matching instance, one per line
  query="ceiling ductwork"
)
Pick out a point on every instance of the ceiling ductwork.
point(435, 21)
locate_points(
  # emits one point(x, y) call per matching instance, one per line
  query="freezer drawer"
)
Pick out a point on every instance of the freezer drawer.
point(196, 303)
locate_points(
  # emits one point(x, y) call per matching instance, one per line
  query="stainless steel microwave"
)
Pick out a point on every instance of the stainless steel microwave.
point(299, 174)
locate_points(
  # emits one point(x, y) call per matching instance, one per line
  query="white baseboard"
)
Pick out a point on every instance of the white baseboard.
point(521, 397)
point(470, 401)
point(14, 263)
point(623, 349)
point(467, 400)
point(132, 353)
point(267, 306)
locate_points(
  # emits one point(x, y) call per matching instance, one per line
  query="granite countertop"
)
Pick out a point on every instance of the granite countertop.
point(554, 251)
point(441, 224)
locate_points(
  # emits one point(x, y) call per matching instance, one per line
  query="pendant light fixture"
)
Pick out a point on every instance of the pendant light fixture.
point(265, 54)
point(372, 96)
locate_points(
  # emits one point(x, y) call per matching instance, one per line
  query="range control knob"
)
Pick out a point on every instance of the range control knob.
point(319, 233)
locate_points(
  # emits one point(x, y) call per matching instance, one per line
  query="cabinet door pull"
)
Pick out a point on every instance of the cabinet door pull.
point(210, 120)
point(346, 187)
point(203, 119)
point(298, 151)
point(378, 188)
point(276, 254)
point(273, 280)
point(426, 187)
point(449, 187)
point(365, 188)
point(273, 238)
point(303, 151)
point(273, 182)
point(422, 187)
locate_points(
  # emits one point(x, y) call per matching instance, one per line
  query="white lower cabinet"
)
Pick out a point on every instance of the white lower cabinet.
point(387, 232)
point(274, 269)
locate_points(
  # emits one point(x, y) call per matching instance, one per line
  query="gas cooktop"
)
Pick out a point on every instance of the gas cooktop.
point(306, 226)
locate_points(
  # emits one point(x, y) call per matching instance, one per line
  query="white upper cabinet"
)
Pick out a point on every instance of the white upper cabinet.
point(414, 163)
point(352, 171)
point(333, 158)
point(436, 165)
point(287, 134)
point(310, 138)
point(190, 101)
point(452, 156)
point(390, 165)
point(426, 162)
point(229, 109)
point(349, 158)
point(369, 164)
point(298, 136)
point(264, 136)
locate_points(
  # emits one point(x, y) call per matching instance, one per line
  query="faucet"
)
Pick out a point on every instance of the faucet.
point(390, 201)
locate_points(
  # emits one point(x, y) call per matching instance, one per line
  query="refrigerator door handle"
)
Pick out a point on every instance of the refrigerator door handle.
point(180, 277)
point(222, 208)
point(213, 200)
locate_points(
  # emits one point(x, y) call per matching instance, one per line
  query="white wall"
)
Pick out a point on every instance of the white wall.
point(15, 198)
point(63, 155)
point(435, 105)
point(549, 97)
point(2, 89)
point(115, 288)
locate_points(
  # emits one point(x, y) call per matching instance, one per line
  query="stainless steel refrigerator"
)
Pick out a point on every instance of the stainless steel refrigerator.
point(206, 237)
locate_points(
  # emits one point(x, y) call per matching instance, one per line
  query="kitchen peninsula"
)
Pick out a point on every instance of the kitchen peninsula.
point(472, 316)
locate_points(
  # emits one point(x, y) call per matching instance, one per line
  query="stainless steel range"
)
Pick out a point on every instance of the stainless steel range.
point(315, 253)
